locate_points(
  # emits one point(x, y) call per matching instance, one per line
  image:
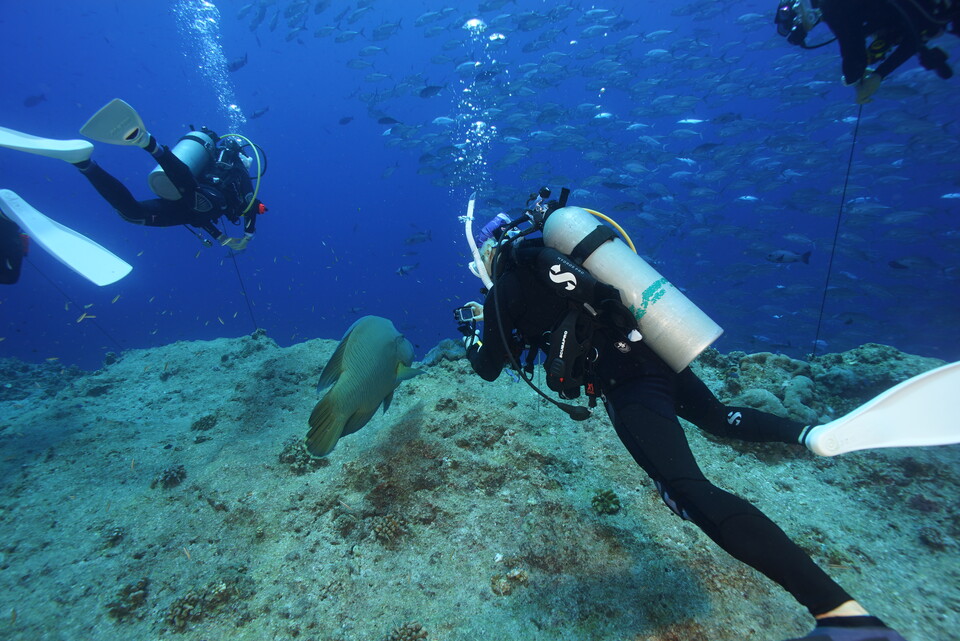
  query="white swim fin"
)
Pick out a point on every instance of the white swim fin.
point(71, 248)
point(919, 411)
point(73, 151)
point(117, 123)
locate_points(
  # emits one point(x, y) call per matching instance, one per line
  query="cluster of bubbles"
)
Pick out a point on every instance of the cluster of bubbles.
point(474, 134)
point(199, 21)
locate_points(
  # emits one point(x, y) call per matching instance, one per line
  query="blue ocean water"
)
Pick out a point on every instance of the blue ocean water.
point(585, 96)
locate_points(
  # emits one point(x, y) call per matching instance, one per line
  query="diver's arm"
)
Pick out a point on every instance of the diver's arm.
point(485, 366)
point(488, 358)
point(847, 25)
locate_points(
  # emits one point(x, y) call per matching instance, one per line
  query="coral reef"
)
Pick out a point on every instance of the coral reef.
point(504, 584)
point(445, 350)
point(21, 380)
point(199, 604)
point(388, 529)
point(605, 502)
point(129, 600)
point(170, 477)
point(412, 631)
point(295, 455)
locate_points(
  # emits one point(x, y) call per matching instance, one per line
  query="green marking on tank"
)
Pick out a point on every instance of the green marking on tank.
point(649, 297)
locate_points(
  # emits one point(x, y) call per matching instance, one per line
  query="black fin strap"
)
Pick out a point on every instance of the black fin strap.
point(590, 242)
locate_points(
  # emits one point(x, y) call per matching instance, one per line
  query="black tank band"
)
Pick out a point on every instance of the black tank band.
point(590, 242)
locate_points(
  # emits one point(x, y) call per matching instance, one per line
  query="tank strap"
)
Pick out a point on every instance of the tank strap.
point(590, 242)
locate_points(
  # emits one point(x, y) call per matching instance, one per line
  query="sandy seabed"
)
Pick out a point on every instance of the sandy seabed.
point(167, 496)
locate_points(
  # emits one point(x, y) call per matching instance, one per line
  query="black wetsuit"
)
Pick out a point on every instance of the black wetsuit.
point(13, 248)
point(643, 397)
point(900, 23)
point(198, 206)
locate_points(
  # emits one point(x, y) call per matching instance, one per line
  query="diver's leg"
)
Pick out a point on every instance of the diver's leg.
point(152, 213)
point(659, 446)
point(697, 404)
point(112, 190)
point(176, 170)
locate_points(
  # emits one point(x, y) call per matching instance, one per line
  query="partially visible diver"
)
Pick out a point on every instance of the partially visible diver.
point(21, 225)
point(899, 30)
point(204, 178)
point(546, 300)
point(14, 245)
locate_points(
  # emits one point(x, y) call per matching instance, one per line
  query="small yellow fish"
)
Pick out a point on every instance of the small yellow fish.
point(221, 320)
point(115, 298)
point(53, 359)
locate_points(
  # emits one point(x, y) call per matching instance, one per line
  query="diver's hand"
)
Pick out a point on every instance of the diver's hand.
point(477, 310)
point(866, 87)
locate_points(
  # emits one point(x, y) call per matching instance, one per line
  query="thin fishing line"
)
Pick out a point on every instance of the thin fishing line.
point(836, 234)
point(243, 288)
point(76, 304)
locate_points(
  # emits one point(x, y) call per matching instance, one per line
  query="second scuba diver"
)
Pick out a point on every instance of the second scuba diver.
point(202, 179)
point(900, 30)
point(540, 299)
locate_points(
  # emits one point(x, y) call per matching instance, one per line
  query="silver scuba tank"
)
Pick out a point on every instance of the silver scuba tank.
point(195, 150)
point(673, 327)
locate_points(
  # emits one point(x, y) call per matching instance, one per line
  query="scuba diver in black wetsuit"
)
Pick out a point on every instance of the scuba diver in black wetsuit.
point(224, 190)
point(202, 179)
point(900, 29)
point(541, 300)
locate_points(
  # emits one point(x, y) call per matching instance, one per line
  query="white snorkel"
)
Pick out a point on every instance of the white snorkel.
point(476, 266)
